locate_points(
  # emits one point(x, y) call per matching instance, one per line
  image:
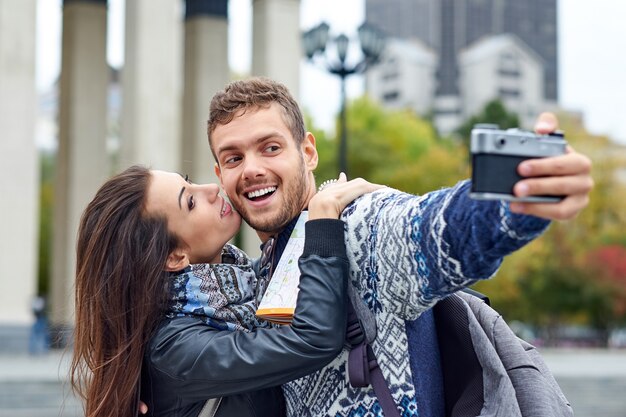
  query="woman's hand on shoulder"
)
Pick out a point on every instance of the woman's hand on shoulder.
point(330, 201)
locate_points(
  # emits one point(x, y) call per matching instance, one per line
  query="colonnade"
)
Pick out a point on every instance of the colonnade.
point(176, 58)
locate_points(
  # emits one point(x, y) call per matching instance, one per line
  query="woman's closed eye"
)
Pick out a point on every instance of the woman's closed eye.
point(190, 202)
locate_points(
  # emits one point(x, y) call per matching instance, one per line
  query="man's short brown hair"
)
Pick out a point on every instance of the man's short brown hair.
point(252, 94)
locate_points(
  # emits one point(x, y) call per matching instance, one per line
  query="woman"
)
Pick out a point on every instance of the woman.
point(159, 291)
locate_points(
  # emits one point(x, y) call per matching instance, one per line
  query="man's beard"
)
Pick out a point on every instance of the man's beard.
point(293, 202)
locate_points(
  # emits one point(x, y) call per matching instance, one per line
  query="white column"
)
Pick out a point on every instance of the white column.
point(151, 84)
point(276, 53)
point(81, 165)
point(206, 72)
point(276, 45)
point(19, 166)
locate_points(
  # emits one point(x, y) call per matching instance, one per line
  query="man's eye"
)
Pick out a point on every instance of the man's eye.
point(232, 160)
point(272, 148)
point(190, 203)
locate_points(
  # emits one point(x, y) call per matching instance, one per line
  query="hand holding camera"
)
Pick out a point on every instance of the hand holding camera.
point(496, 155)
point(566, 176)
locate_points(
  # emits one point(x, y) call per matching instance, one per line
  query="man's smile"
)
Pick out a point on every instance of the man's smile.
point(261, 193)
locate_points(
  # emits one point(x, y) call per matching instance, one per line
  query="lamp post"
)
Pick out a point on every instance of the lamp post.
point(315, 42)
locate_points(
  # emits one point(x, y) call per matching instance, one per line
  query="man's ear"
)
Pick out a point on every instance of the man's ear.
point(310, 151)
point(177, 259)
point(218, 172)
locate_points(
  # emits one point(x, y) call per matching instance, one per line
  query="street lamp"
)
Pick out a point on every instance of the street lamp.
point(372, 43)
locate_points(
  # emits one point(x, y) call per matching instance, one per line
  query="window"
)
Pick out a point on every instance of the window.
point(391, 96)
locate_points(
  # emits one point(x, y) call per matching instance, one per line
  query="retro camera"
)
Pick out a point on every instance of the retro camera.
point(497, 153)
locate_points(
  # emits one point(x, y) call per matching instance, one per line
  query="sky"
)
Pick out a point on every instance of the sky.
point(592, 61)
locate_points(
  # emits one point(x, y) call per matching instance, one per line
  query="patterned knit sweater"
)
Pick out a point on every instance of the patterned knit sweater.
point(406, 252)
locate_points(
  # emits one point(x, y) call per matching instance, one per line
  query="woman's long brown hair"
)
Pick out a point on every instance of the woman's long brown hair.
point(120, 293)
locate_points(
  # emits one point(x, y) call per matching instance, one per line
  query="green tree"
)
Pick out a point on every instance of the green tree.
point(396, 148)
point(494, 112)
point(46, 201)
point(609, 266)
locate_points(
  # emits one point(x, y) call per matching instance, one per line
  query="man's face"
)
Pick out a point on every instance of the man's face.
point(268, 178)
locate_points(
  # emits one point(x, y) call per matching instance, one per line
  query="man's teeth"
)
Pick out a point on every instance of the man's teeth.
point(262, 191)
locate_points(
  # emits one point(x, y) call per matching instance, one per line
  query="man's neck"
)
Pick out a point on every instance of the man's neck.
point(265, 236)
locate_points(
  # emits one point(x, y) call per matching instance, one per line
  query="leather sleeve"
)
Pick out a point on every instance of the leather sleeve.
point(191, 360)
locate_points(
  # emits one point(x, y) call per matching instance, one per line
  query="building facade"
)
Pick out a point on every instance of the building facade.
point(404, 76)
point(450, 27)
point(501, 66)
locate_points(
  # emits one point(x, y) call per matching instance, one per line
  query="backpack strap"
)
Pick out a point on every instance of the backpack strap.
point(361, 320)
point(363, 369)
point(462, 372)
point(210, 407)
point(477, 294)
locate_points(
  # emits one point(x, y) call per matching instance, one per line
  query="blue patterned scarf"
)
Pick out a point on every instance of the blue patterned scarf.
point(225, 296)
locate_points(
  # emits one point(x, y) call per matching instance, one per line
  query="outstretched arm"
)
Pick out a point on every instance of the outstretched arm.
point(411, 251)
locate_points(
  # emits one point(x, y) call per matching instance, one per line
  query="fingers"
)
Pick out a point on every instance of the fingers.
point(363, 186)
point(565, 210)
point(571, 163)
point(567, 175)
point(331, 201)
point(342, 177)
point(558, 186)
point(348, 191)
point(546, 123)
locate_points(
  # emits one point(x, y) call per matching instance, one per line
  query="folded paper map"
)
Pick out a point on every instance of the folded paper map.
point(279, 301)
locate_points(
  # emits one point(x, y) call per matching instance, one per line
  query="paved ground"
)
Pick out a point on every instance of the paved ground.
point(593, 380)
point(36, 386)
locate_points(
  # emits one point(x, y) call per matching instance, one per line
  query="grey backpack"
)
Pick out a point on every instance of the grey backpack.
point(487, 370)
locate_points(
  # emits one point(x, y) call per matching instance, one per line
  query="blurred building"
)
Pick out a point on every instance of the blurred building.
point(404, 77)
point(501, 66)
point(452, 28)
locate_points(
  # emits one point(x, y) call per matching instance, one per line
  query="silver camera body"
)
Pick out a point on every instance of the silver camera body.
point(497, 153)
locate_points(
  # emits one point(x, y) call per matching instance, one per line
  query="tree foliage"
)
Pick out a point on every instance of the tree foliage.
point(46, 202)
point(395, 148)
point(495, 113)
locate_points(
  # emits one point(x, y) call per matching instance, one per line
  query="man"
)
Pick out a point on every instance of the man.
point(406, 252)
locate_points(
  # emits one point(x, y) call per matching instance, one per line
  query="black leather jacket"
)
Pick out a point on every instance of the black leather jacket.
point(188, 362)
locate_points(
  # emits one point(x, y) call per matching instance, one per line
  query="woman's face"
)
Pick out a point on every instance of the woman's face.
point(197, 214)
